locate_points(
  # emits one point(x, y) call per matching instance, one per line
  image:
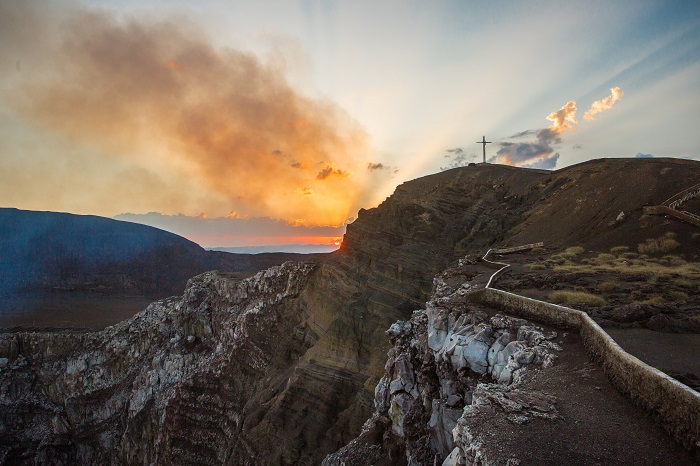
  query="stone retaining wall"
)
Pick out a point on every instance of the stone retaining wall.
point(675, 405)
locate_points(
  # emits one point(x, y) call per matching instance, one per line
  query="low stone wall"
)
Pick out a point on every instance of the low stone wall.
point(546, 313)
point(676, 406)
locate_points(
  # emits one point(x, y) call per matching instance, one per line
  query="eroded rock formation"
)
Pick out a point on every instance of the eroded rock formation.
point(450, 363)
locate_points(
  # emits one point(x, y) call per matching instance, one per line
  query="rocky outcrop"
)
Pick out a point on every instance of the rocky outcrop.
point(449, 364)
point(179, 382)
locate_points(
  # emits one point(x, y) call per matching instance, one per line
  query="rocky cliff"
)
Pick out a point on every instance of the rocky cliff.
point(281, 368)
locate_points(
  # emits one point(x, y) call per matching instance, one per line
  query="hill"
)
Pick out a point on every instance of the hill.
point(49, 252)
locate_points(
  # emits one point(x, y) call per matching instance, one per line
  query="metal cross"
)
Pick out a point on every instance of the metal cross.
point(484, 142)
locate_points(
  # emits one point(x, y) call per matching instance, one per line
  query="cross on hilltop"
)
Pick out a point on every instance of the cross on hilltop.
point(484, 142)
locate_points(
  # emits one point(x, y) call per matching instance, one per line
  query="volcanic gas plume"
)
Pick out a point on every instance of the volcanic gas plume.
point(159, 96)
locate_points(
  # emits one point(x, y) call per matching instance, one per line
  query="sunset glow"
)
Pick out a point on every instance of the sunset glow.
point(303, 113)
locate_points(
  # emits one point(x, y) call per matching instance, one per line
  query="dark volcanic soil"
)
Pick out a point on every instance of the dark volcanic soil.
point(599, 425)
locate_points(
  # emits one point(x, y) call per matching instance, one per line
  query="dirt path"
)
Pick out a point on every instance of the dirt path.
point(599, 425)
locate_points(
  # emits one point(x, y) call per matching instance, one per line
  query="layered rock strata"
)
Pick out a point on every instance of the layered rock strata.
point(185, 381)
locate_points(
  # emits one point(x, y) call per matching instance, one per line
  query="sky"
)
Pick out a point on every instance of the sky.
point(273, 122)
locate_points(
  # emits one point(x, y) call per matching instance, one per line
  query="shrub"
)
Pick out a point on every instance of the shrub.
point(538, 250)
point(619, 250)
point(629, 255)
point(677, 296)
point(653, 300)
point(658, 245)
point(608, 287)
point(536, 266)
point(575, 297)
point(682, 282)
point(603, 257)
point(674, 260)
point(575, 250)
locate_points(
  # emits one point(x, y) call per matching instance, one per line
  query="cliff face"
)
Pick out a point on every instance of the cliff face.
point(434, 381)
point(281, 368)
point(178, 382)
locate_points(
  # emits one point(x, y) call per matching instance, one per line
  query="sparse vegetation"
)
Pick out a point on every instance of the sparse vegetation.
point(653, 300)
point(676, 296)
point(575, 250)
point(539, 250)
point(575, 297)
point(534, 266)
point(618, 250)
point(603, 257)
point(608, 287)
point(659, 245)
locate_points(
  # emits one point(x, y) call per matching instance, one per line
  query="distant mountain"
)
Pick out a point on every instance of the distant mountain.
point(294, 248)
point(41, 251)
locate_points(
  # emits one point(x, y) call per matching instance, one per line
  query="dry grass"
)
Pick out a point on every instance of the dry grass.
point(653, 300)
point(575, 250)
point(536, 266)
point(658, 245)
point(609, 287)
point(688, 271)
point(617, 250)
point(676, 296)
point(575, 297)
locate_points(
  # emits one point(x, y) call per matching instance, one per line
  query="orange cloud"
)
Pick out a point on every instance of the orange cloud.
point(159, 96)
point(603, 104)
point(330, 170)
point(563, 119)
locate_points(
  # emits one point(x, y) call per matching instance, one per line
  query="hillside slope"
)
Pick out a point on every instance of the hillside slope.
point(58, 251)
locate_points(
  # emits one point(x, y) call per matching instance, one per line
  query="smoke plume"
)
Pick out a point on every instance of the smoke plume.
point(157, 95)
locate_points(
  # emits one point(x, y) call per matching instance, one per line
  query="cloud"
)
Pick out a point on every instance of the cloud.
point(603, 104)
point(377, 166)
point(577, 147)
point(461, 158)
point(212, 123)
point(523, 134)
point(539, 153)
point(330, 170)
point(643, 156)
point(562, 120)
point(546, 163)
point(306, 191)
